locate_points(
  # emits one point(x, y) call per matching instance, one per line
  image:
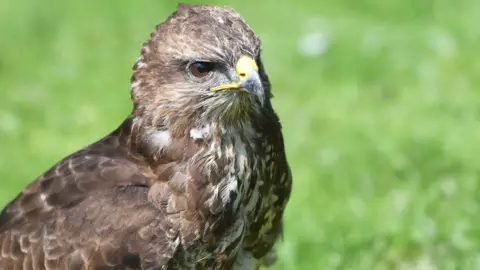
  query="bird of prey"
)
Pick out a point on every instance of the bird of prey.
point(196, 177)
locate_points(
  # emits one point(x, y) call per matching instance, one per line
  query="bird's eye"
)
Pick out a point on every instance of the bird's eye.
point(201, 69)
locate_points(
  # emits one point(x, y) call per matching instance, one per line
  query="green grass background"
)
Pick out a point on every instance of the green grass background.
point(382, 127)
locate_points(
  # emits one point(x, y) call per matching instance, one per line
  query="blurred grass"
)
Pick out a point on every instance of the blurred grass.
point(379, 100)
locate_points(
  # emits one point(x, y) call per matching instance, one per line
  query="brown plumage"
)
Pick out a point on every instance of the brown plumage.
point(195, 178)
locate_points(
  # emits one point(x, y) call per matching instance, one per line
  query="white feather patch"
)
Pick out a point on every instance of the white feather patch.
point(200, 133)
point(160, 139)
point(134, 84)
point(141, 64)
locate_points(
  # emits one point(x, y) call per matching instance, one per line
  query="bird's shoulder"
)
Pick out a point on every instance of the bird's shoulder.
point(102, 165)
point(90, 209)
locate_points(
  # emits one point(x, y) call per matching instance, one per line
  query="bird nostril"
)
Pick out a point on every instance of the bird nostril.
point(242, 75)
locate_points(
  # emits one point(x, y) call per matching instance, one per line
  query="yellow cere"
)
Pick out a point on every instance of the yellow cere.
point(245, 65)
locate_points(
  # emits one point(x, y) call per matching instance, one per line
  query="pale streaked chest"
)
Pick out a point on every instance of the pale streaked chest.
point(246, 159)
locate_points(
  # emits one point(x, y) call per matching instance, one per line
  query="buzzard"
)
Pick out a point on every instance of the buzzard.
point(195, 177)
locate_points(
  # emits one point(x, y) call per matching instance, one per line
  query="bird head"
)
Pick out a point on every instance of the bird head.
point(202, 62)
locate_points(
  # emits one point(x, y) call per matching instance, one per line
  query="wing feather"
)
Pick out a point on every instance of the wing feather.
point(91, 210)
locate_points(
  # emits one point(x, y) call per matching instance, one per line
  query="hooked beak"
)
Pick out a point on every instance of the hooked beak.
point(249, 79)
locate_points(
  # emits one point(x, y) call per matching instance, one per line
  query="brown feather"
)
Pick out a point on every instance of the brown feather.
point(190, 180)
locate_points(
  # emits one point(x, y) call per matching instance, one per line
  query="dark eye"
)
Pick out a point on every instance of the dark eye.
point(201, 69)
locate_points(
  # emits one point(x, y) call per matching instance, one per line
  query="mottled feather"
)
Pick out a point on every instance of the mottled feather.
point(192, 179)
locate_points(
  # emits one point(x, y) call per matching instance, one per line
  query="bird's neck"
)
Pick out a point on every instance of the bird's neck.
point(181, 141)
